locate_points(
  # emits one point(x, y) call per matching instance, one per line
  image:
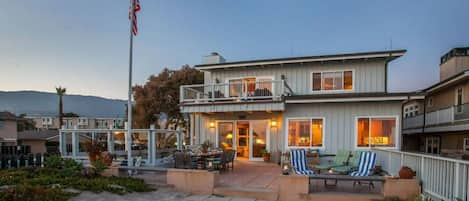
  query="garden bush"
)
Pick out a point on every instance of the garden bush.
point(34, 193)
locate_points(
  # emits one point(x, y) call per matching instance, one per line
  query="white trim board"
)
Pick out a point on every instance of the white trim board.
point(358, 99)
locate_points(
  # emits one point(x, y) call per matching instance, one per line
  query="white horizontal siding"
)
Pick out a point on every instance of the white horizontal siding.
point(369, 75)
point(234, 107)
point(340, 119)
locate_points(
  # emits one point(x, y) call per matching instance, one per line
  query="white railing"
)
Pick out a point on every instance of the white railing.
point(413, 122)
point(440, 116)
point(143, 142)
point(441, 178)
point(234, 91)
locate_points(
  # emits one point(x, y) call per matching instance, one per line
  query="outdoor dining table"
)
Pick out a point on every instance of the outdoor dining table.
point(203, 158)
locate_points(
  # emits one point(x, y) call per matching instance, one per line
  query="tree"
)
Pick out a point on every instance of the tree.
point(160, 94)
point(24, 124)
point(60, 92)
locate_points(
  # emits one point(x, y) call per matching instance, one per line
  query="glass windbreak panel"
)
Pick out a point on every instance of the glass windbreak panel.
point(299, 133)
point(348, 80)
point(264, 87)
point(383, 131)
point(140, 145)
point(83, 139)
point(235, 87)
point(316, 81)
point(119, 144)
point(259, 137)
point(363, 130)
point(249, 86)
point(316, 130)
point(225, 135)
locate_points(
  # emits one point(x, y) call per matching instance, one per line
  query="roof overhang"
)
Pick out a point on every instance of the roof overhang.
point(388, 55)
point(448, 82)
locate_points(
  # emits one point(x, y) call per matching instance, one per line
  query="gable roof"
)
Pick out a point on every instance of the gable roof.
point(37, 134)
point(449, 81)
point(7, 116)
point(389, 55)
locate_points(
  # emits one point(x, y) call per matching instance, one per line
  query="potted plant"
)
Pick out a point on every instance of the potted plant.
point(205, 146)
point(94, 149)
point(406, 173)
point(266, 155)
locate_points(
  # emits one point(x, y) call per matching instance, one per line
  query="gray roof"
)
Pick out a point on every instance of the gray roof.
point(7, 116)
point(37, 134)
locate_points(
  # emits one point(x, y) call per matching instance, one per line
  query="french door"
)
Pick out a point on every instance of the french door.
point(248, 138)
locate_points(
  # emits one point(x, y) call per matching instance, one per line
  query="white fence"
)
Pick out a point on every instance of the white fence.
point(441, 178)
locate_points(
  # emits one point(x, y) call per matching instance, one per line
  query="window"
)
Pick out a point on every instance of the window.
point(430, 102)
point(459, 99)
point(2, 124)
point(466, 144)
point(329, 81)
point(250, 86)
point(432, 145)
point(372, 131)
point(305, 132)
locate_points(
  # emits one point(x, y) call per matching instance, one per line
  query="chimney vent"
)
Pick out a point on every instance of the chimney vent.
point(213, 58)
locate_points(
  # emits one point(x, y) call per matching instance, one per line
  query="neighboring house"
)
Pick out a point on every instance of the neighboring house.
point(39, 141)
point(327, 102)
point(438, 123)
point(48, 122)
point(8, 129)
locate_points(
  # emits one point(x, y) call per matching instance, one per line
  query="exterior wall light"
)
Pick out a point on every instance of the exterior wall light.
point(273, 123)
point(212, 124)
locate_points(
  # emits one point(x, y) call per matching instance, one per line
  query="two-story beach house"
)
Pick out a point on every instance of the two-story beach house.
point(437, 122)
point(326, 102)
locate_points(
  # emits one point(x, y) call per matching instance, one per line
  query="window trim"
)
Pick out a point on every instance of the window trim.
point(396, 137)
point(287, 124)
point(464, 147)
point(335, 90)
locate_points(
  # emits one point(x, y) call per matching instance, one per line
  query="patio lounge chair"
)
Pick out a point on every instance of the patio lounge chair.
point(298, 162)
point(366, 164)
point(340, 159)
point(351, 166)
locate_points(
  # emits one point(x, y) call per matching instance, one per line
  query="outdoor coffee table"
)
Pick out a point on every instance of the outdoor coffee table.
point(331, 176)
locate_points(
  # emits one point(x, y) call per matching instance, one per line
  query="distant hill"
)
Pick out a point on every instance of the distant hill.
point(45, 103)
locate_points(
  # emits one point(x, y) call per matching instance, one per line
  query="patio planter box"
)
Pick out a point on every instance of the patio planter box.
point(403, 188)
point(192, 181)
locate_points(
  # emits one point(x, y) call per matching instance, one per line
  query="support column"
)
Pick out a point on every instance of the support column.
point(150, 146)
point(128, 145)
point(179, 138)
point(110, 141)
point(75, 143)
point(61, 142)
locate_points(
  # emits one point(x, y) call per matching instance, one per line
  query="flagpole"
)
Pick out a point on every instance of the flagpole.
point(129, 98)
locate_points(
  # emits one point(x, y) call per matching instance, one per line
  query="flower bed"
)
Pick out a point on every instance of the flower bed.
point(58, 175)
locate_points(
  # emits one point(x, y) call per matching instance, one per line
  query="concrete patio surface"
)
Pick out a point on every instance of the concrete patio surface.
point(162, 194)
point(250, 174)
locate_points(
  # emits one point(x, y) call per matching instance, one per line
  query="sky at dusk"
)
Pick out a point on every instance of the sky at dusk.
point(83, 45)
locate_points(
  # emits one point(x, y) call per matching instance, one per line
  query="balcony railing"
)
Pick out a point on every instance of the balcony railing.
point(413, 122)
point(234, 91)
point(443, 116)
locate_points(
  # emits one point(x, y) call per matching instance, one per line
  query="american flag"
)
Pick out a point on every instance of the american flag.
point(134, 13)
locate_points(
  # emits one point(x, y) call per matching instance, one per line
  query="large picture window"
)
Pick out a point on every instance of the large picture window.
point(305, 132)
point(335, 80)
point(379, 132)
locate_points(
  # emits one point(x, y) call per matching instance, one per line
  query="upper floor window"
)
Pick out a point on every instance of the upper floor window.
point(2, 123)
point(250, 86)
point(466, 144)
point(459, 99)
point(430, 102)
point(332, 80)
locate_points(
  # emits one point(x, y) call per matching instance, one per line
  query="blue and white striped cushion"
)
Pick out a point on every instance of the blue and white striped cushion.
point(366, 164)
point(298, 162)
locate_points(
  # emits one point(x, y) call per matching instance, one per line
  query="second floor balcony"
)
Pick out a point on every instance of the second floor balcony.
point(444, 117)
point(235, 90)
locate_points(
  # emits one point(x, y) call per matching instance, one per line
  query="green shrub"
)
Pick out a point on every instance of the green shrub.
point(34, 193)
point(99, 165)
point(54, 161)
